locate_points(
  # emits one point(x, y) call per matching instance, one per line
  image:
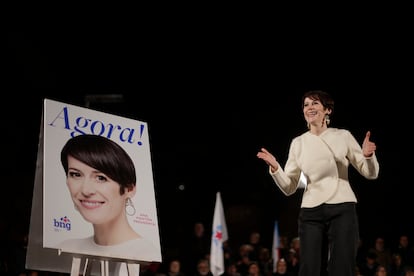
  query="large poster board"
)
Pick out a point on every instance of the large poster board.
point(64, 222)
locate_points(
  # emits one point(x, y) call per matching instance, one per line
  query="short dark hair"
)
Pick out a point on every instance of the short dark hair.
point(322, 96)
point(102, 154)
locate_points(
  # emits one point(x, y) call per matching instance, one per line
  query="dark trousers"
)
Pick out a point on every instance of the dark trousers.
point(328, 240)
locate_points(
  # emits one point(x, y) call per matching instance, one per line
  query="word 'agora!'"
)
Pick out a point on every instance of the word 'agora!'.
point(84, 125)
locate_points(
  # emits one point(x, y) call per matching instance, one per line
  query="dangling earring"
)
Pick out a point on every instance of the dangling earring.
point(327, 120)
point(308, 125)
point(129, 207)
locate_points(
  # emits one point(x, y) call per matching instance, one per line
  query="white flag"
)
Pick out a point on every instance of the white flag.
point(219, 235)
point(276, 245)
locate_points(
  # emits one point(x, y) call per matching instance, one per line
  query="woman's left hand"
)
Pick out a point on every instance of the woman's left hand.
point(368, 147)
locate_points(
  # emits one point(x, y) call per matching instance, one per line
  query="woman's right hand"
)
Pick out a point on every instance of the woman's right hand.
point(268, 158)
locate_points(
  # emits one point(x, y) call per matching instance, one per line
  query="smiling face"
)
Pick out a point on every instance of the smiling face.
point(314, 112)
point(96, 196)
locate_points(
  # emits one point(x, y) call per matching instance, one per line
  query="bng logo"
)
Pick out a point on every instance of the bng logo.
point(62, 224)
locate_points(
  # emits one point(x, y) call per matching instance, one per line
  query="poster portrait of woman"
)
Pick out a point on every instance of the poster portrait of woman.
point(98, 191)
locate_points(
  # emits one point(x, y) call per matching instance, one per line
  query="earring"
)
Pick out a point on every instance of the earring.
point(129, 207)
point(327, 120)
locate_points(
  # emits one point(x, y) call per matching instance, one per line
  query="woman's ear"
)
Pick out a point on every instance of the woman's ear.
point(130, 191)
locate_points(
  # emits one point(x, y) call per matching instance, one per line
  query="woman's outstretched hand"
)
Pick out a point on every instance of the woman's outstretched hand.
point(268, 158)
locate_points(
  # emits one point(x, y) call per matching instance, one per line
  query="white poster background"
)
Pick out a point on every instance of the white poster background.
point(60, 219)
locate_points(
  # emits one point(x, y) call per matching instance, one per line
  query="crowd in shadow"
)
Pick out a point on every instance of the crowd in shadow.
point(377, 256)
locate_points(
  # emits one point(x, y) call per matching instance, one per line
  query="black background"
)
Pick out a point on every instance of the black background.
point(212, 96)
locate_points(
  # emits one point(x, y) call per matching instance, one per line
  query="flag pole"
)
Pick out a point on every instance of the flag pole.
point(275, 246)
point(218, 237)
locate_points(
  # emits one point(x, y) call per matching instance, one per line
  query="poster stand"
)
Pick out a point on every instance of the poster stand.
point(132, 268)
point(43, 257)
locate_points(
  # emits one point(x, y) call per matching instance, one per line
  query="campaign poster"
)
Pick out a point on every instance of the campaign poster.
point(64, 227)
